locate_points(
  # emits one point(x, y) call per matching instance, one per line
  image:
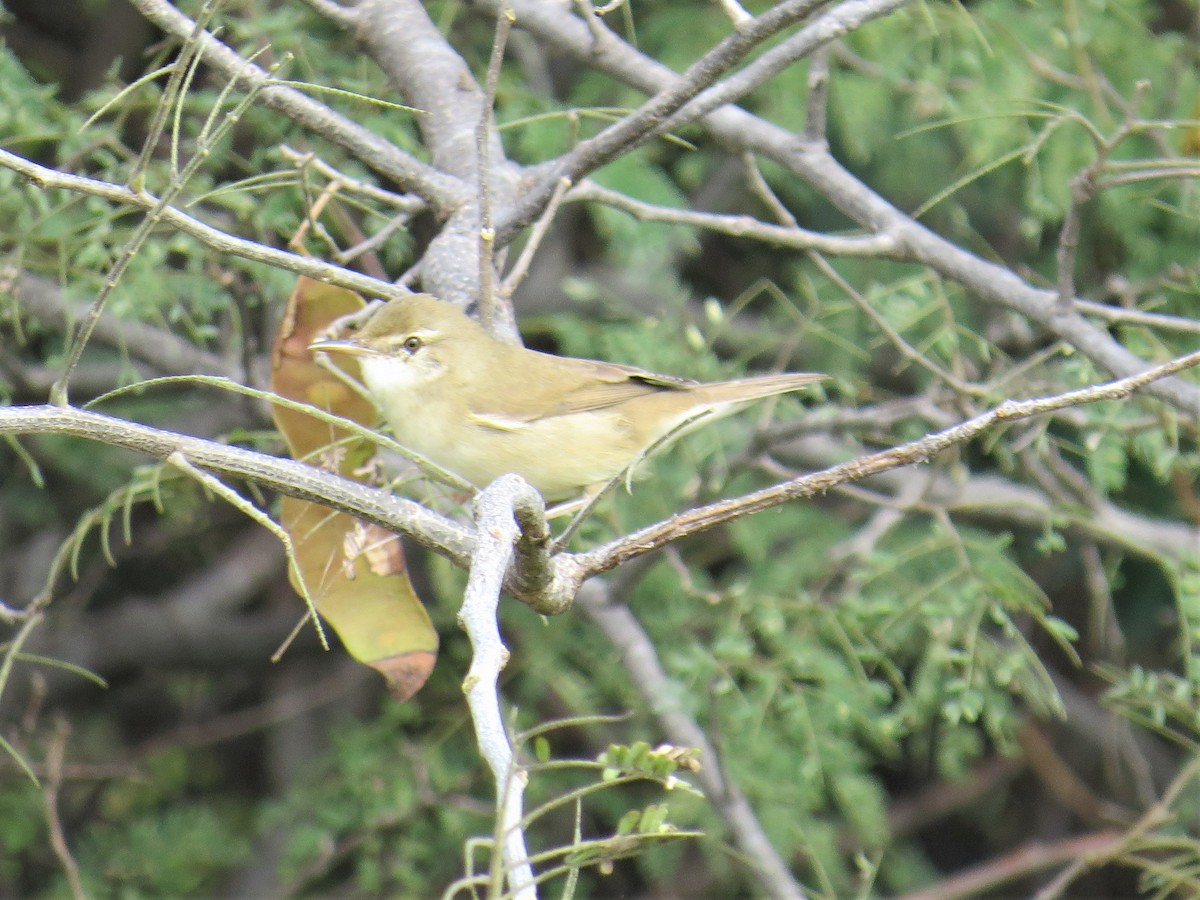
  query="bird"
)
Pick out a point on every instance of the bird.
point(481, 407)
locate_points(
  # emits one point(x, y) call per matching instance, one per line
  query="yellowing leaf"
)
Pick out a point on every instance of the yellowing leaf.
point(355, 570)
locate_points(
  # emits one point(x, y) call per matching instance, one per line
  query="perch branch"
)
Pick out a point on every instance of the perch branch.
point(703, 518)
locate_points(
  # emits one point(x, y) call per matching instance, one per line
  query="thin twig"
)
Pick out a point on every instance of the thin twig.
point(55, 754)
point(792, 237)
point(599, 30)
point(443, 191)
point(906, 349)
point(187, 53)
point(483, 142)
point(1158, 814)
point(1120, 314)
point(409, 203)
point(1083, 188)
point(759, 187)
point(1105, 639)
point(1020, 863)
point(521, 267)
point(818, 96)
point(58, 393)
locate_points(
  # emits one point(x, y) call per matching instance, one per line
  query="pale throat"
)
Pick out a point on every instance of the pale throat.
point(406, 390)
point(408, 394)
point(387, 377)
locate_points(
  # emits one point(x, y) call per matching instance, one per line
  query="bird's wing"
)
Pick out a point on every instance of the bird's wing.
point(605, 385)
point(584, 386)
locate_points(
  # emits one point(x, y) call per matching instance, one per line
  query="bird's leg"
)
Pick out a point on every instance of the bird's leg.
point(582, 506)
point(593, 494)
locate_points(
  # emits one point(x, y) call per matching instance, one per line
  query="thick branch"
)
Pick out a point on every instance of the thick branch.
point(653, 115)
point(1007, 504)
point(570, 570)
point(296, 479)
point(549, 590)
point(432, 76)
point(826, 28)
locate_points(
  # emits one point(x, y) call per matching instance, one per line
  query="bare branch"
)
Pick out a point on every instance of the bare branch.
point(736, 12)
point(55, 755)
point(906, 349)
point(652, 116)
point(432, 76)
point(334, 12)
point(703, 518)
point(792, 237)
point(154, 214)
point(1083, 188)
point(759, 188)
point(497, 535)
point(1158, 814)
point(296, 479)
point(405, 203)
point(1021, 863)
point(1138, 317)
point(495, 318)
point(422, 64)
point(521, 267)
point(555, 590)
point(818, 97)
point(843, 19)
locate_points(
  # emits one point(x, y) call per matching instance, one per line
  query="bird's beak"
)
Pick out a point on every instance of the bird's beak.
point(350, 348)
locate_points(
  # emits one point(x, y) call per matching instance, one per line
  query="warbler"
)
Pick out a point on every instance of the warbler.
point(481, 407)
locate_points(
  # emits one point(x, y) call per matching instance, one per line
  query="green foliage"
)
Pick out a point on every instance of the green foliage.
point(636, 245)
point(22, 828)
point(385, 812)
point(829, 666)
point(955, 70)
point(180, 851)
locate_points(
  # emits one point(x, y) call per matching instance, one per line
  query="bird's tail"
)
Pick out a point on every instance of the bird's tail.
point(744, 389)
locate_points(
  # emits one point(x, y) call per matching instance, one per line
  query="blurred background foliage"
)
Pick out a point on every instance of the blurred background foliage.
point(854, 674)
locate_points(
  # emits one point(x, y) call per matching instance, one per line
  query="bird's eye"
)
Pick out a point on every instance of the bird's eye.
point(412, 343)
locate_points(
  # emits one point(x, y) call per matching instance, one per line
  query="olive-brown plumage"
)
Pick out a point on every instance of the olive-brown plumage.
point(482, 408)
